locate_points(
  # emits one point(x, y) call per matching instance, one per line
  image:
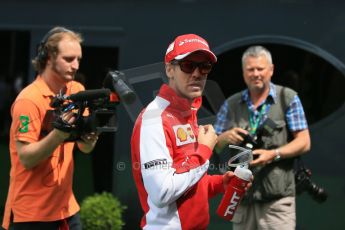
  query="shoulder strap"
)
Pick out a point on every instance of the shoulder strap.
point(286, 96)
point(283, 99)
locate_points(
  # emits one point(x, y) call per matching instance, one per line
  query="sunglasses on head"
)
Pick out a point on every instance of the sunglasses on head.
point(189, 66)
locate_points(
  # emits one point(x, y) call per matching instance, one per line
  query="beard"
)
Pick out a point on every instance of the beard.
point(62, 74)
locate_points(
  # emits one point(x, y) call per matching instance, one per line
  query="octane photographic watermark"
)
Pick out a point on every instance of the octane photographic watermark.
point(120, 166)
point(212, 167)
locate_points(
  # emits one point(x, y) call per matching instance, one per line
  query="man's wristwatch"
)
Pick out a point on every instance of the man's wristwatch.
point(277, 157)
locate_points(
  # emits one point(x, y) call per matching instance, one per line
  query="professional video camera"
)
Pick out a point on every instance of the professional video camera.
point(100, 103)
point(304, 184)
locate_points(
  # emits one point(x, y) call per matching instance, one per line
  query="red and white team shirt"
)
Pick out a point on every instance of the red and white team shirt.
point(170, 167)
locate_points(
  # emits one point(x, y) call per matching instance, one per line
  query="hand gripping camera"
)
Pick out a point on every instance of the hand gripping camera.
point(254, 141)
point(100, 103)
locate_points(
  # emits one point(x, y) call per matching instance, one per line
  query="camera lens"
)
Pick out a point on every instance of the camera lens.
point(317, 193)
point(304, 183)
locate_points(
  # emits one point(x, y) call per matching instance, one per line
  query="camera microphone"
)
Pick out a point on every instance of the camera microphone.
point(114, 81)
point(88, 95)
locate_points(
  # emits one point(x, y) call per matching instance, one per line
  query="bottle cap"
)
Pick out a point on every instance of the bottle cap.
point(243, 173)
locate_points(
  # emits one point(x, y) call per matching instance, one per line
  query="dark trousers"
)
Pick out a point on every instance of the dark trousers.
point(73, 223)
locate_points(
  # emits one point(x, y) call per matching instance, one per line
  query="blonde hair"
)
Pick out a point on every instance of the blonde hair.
point(49, 46)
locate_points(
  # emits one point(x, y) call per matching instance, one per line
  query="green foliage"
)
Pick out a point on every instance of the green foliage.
point(101, 212)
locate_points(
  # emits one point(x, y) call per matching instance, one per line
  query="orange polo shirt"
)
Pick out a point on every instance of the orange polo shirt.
point(43, 193)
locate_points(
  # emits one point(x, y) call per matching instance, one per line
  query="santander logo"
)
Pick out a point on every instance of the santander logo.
point(181, 43)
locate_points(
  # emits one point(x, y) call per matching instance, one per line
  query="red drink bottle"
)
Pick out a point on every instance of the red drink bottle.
point(234, 193)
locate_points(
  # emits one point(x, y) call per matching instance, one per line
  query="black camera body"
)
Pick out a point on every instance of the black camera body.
point(254, 141)
point(101, 113)
point(304, 184)
point(251, 141)
point(100, 103)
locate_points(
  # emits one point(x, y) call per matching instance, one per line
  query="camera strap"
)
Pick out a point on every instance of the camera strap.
point(299, 163)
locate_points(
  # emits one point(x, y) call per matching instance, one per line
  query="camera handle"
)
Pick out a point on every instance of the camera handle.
point(64, 126)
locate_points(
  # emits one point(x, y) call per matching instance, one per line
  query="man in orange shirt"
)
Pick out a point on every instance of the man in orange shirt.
point(40, 194)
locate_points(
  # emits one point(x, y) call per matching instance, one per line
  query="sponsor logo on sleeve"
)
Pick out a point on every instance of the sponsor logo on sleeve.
point(184, 134)
point(24, 124)
point(155, 163)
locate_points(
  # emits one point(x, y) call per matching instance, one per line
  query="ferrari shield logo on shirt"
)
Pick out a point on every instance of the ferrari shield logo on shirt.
point(24, 124)
point(184, 134)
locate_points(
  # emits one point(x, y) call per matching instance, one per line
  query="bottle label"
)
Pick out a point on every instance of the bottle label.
point(235, 199)
point(231, 198)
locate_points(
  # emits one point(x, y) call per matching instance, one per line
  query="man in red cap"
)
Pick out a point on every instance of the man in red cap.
point(170, 152)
